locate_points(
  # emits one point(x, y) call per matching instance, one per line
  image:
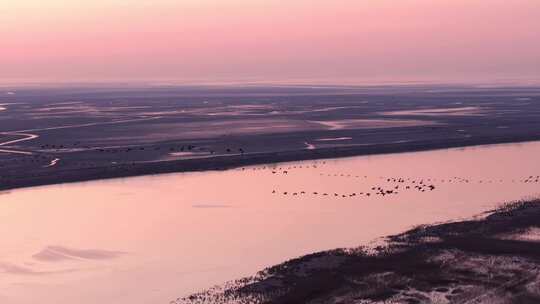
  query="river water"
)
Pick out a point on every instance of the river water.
point(152, 239)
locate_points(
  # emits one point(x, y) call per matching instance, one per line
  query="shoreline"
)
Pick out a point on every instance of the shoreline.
point(73, 175)
point(494, 258)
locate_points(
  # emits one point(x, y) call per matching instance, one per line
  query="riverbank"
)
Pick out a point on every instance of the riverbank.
point(194, 231)
point(492, 259)
point(46, 176)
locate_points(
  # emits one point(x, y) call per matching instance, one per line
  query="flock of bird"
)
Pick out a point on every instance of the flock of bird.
point(170, 148)
point(48, 152)
point(386, 186)
point(375, 190)
point(47, 157)
point(393, 186)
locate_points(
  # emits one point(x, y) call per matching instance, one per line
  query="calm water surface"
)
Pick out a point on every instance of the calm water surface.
point(153, 239)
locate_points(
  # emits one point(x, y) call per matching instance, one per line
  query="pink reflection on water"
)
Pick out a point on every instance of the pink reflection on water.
point(152, 239)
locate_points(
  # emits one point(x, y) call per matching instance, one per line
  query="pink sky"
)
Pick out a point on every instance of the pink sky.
point(269, 40)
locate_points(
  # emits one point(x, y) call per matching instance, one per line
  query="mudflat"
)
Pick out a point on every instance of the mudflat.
point(66, 134)
point(492, 259)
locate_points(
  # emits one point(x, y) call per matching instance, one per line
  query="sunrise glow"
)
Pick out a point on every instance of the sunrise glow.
point(271, 39)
